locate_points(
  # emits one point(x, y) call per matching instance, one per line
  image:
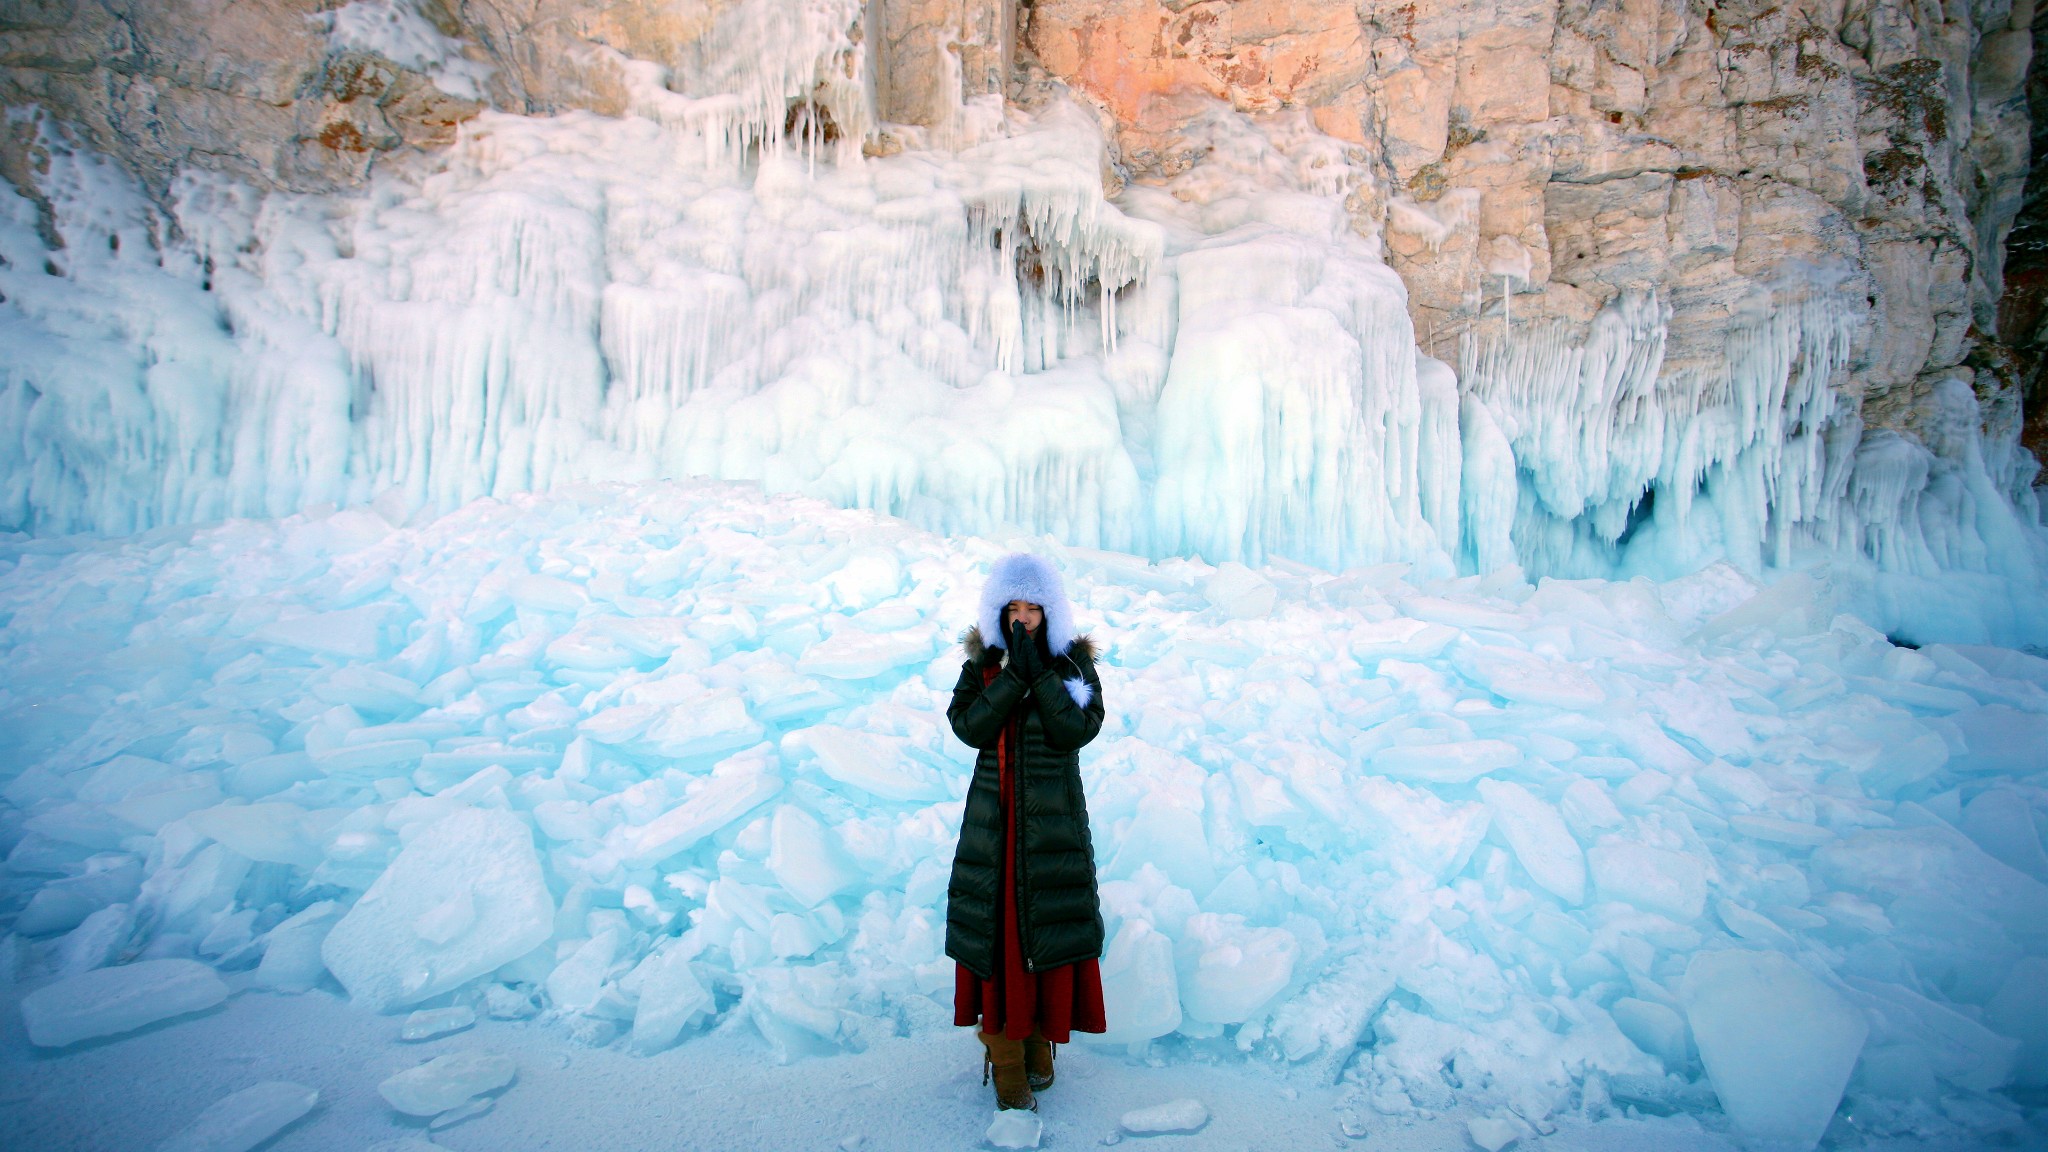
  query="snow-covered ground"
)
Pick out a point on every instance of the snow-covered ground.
point(912, 1094)
point(654, 780)
point(718, 1092)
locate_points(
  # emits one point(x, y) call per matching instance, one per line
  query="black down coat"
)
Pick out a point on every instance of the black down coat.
point(1055, 867)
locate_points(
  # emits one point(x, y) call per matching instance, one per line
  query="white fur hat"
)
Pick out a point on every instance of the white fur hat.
point(1033, 579)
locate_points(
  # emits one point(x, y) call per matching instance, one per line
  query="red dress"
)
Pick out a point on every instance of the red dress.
point(1055, 1002)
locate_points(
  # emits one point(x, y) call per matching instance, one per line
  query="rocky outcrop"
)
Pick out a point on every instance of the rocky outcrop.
point(1543, 158)
point(260, 91)
point(311, 95)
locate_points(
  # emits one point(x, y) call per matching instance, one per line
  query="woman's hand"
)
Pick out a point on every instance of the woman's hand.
point(1024, 653)
point(980, 707)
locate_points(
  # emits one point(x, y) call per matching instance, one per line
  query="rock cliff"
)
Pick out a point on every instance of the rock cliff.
point(1543, 158)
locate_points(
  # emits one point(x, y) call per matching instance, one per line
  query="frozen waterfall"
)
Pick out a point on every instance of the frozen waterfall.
point(746, 277)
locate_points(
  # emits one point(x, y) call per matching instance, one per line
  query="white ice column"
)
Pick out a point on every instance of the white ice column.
point(1488, 489)
point(1440, 457)
point(1884, 493)
point(1289, 421)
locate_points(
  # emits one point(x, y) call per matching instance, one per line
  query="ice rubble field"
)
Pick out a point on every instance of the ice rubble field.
point(660, 759)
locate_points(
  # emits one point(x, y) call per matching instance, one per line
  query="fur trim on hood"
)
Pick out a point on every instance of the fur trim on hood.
point(1033, 579)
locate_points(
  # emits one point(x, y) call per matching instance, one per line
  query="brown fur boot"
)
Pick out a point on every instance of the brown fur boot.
point(1038, 1054)
point(1005, 1059)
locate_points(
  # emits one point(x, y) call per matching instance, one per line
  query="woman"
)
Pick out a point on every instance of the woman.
point(1022, 918)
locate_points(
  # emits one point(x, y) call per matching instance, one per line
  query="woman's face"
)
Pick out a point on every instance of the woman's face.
point(1031, 615)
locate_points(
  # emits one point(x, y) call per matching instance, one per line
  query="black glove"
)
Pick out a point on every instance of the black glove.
point(1024, 653)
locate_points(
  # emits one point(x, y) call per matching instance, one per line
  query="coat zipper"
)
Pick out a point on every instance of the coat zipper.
point(1017, 816)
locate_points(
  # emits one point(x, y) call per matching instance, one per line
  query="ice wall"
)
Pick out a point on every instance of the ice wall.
point(746, 276)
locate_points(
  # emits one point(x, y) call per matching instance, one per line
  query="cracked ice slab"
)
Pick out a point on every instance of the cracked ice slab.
point(447, 1082)
point(463, 898)
point(243, 1120)
point(111, 1001)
